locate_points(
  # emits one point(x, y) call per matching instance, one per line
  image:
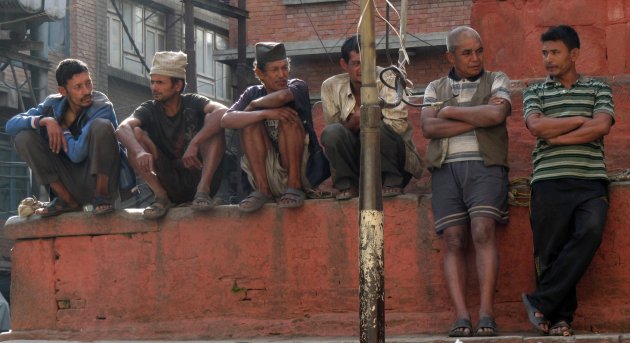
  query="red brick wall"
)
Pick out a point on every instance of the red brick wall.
point(290, 272)
point(603, 26)
point(272, 20)
point(83, 38)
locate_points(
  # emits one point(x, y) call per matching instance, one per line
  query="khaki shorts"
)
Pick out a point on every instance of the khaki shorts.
point(277, 176)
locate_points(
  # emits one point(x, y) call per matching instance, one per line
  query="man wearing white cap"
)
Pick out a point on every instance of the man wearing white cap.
point(277, 134)
point(175, 141)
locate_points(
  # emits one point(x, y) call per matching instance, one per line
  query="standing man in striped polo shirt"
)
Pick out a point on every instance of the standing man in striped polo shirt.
point(467, 157)
point(569, 114)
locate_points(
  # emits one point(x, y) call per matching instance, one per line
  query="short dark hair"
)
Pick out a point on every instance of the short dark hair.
point(67, 68)
point(563, 33)
point(174, 80)
point(351, 44)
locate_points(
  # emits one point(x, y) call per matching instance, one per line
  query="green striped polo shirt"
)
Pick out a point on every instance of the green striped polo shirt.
point(585, 98)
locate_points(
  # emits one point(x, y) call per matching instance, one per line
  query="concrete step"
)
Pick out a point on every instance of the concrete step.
point(506, 338)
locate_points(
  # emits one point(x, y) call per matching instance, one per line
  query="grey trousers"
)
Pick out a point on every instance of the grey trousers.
point(343, 150)
point(79, 178)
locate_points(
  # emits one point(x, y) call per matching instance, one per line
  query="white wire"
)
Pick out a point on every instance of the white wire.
point(397, 33)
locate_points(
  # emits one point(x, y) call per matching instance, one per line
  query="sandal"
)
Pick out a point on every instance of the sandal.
point(102, 204)
point(461, 328)
point(157, 209)
point(347, 194)
point(202, 202)
point(531, 315)
point(391, 191)
point(253, 202)
point(57, 207)
point(486, 327)
point(317, 193)
point(561, 328)
point(292, 198)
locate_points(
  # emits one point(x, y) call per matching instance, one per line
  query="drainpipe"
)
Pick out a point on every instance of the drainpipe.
point(39, 77)
point(39, 91)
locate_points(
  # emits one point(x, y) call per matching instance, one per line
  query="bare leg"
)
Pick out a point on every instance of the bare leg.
point(102, 182)
point(291, 146)
point(487, 260)
point(151, 179)
point(255, 143)
point(62, 193)
point(211, 154)
point(456, 242)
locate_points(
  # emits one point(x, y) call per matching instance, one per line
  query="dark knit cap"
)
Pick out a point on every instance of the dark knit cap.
point(270, 51)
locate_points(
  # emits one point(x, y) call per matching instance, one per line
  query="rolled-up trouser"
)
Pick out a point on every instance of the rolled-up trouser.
point(79, 178)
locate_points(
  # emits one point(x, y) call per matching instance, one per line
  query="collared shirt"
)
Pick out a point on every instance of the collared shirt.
point(465, 147)
point(586, 97)
point(338, 103)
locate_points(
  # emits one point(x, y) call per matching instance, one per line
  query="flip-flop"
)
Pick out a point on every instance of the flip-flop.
point(459, 328)
point(531, 315)
point(105, 204)
point(488, 323)
point(317, 193)
point(57, 207)
point(202, 202)
point(158, 208)
point(391, 191)
point(254, 202)
point(292, 198)
point(347, 194)
point(557, 329)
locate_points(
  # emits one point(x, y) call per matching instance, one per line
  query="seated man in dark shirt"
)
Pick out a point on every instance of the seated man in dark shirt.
point(175, 141)
point(277, 136)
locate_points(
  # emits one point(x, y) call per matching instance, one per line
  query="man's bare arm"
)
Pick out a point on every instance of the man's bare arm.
point(434, 127)
point(547, 128)
point(241, 119)
point(272, 100)
point(211, 126)
point(591, 130)
point(494, 113)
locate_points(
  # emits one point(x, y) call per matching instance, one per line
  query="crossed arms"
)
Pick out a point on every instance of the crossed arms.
point(269, 107)
point(569, 130)
point(451, 121)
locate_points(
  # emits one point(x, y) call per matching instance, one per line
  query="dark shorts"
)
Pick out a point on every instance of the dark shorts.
point(181, 182)
point(468, 189)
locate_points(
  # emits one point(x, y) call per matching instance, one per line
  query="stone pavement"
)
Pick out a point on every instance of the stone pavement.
point(508, 338)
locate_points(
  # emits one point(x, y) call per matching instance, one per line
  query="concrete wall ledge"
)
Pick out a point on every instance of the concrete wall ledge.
point(288, 272)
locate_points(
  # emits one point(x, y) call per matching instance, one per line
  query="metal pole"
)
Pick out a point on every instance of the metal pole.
point(371, 262)
point(189, 37)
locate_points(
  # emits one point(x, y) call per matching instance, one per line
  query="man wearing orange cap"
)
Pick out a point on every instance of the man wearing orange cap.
point(175, 141)
point(277, 133)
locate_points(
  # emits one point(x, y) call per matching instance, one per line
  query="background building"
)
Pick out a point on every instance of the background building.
point(117, 39)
